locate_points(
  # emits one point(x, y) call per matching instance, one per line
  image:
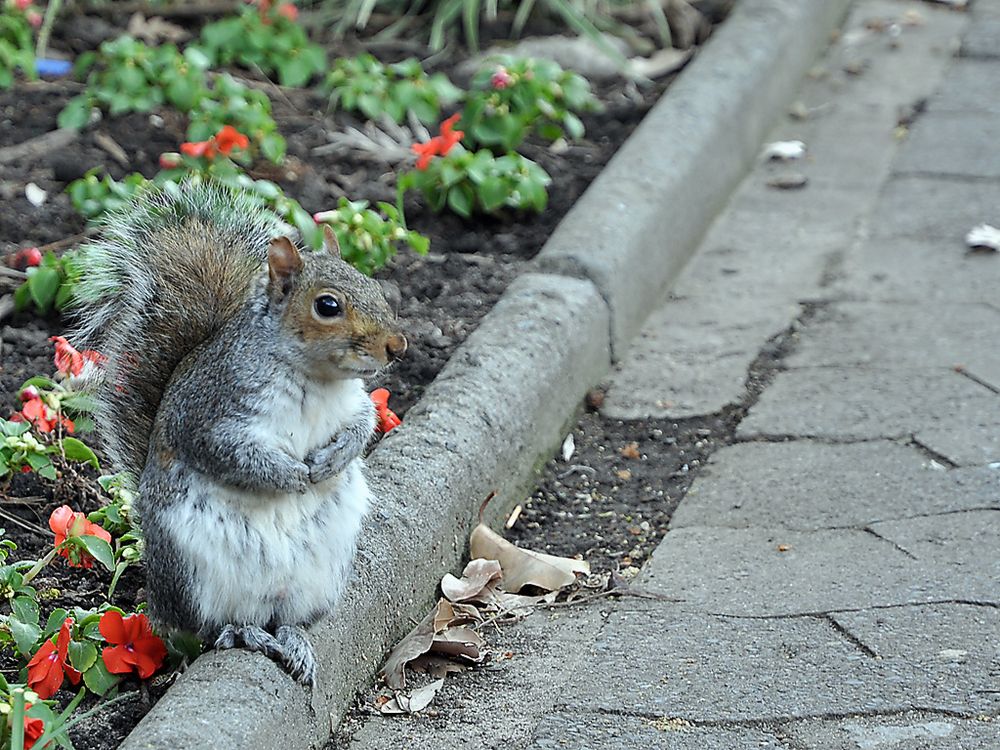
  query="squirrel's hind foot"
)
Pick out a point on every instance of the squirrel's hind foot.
point(297, 654)
point(290, 648)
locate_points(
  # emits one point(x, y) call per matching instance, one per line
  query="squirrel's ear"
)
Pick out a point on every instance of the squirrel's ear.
point(283, 261)
point(330, 243)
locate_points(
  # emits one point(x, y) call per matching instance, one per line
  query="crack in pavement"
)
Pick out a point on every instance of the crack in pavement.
point(851, 638)
point(930, 453)
point(978, 380)
point(853, 610)
point(900, 548)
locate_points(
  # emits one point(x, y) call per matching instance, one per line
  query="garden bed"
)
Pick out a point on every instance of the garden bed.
point(443, 295)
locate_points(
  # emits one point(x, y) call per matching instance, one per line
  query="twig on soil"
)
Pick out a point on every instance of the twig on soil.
point(40, 145)
point(110, 145)
point(13, 273)
point(26, 525)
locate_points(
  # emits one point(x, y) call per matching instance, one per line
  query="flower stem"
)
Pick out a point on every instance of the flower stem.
point(37, 567)
point(51, 11)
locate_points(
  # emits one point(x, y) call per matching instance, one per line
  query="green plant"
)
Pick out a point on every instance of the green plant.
point(118, 518)
point(363, 84)
point(20, 450)
point(16, 45)
point(514, 96)
point(126, 75)
point(50, 284)
point(268, 38)
point(230, 102)
point(92, 196)
point(479, 182)
point(368, 238)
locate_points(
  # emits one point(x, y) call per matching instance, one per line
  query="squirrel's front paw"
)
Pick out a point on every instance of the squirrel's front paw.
point(329, 460)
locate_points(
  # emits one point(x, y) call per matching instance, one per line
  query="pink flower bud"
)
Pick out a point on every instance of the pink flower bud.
point(22, 4)
point(28, 256)
point(34, 18)
point(170, 160)
point(501, 79)
point(324, 216)
point(29, 394)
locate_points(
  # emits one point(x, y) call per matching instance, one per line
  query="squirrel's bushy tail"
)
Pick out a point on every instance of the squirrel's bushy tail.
point(165, 274)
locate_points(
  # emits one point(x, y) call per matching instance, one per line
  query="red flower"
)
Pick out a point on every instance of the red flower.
point(229, 138)
point(38, 413)
point(33, 729)
point(439, 145)
point(501, 79)
point(170, 160)
point(68, 524)
point(289, 11)
point(46, 668)
point(69, 361)
point(222, 142)
point(387, 419)
point(22, 4)
point(27, 257)
point(135, 646)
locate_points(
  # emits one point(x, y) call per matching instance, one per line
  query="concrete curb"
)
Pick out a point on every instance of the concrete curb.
point(638, 223)
point(502, 402)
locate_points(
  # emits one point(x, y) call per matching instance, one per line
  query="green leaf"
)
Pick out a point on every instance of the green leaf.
point(460, 200)
point(99, 549)
point(25, 635)
point(76, 113)
point(43, 284)
point(82, 655)
point(99, 679)
point(25, 609)
point(55, 621)
point(77, 450)
point(493, 193)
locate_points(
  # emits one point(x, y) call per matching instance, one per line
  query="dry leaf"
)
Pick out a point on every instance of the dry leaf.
point(984, 236)
point(523, 567)
point(155, 30)
point(436, 666)
point(789, 181)
point(461, 642)
point(631, 450)
point(448, 613)
point(418, 641)
point(415, 702)
point(660, 63)
point(623, 474)
point(476, 576)
point(568, 447)
point(784, 150)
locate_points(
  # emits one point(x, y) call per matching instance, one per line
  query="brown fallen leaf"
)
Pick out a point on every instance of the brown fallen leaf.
point(631, 450)
point(478, 574)
point(447, 614)
point(461, 642)
point(416, 701)
point(523, 567)
point(436, 666)
point(418, 641)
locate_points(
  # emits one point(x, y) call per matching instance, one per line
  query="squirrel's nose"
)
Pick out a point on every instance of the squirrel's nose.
point(395, 347)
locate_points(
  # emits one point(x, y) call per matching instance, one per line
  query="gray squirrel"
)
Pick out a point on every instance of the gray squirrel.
point(233, 395)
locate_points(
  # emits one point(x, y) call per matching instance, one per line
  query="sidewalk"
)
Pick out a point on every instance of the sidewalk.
point(837, 565)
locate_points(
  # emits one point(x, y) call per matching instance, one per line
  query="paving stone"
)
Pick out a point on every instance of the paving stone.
point(960, 543)
point(788, 485)
point(982, 39)
point(715, 669)
point(770, 572)
point(911, 731)
point(968, 87)
point(915, 270)
point(692, 356)
point(945, 411)
point(581, 730)
point(957, 144)
point(934, 208)
point(903, 335)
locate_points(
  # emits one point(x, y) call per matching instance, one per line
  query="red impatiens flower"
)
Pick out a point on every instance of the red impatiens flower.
point(39, 414)
point(69, 361)
point(222, 142)
point(387, 419)
point(439, 145)
point(501, 79)
point(33, 729)
point(289, 11)
point(26, 257)
point(66, 524)
point(50, 663)
point(134, 645)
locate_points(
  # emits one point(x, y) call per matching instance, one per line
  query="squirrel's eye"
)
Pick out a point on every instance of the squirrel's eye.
point(326, 306)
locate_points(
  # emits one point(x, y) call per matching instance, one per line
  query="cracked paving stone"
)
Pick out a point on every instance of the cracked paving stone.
point(910, 731)
point(789, 485)
point(718, 669)
point(773, 572)
point(934, 208)
point(911, 336)
point(945, 411)
point(576, 730)
point(946, 143)
point(965, 543)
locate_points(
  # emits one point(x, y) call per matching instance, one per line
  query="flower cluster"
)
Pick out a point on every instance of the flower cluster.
point(387, 419)
point(39, 414)
point(223, 142)
point(439, 145)
point(501, 78)
point(70, 525)
point(73, 363)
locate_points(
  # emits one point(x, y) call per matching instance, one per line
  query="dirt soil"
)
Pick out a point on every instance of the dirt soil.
point(443, 297)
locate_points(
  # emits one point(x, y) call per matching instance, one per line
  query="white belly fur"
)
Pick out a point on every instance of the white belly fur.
point(263, 557)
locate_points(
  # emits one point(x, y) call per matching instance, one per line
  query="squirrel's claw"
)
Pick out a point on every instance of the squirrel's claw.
point(297, 654)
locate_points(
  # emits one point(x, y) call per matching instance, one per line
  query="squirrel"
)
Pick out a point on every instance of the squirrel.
point(232, 395)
